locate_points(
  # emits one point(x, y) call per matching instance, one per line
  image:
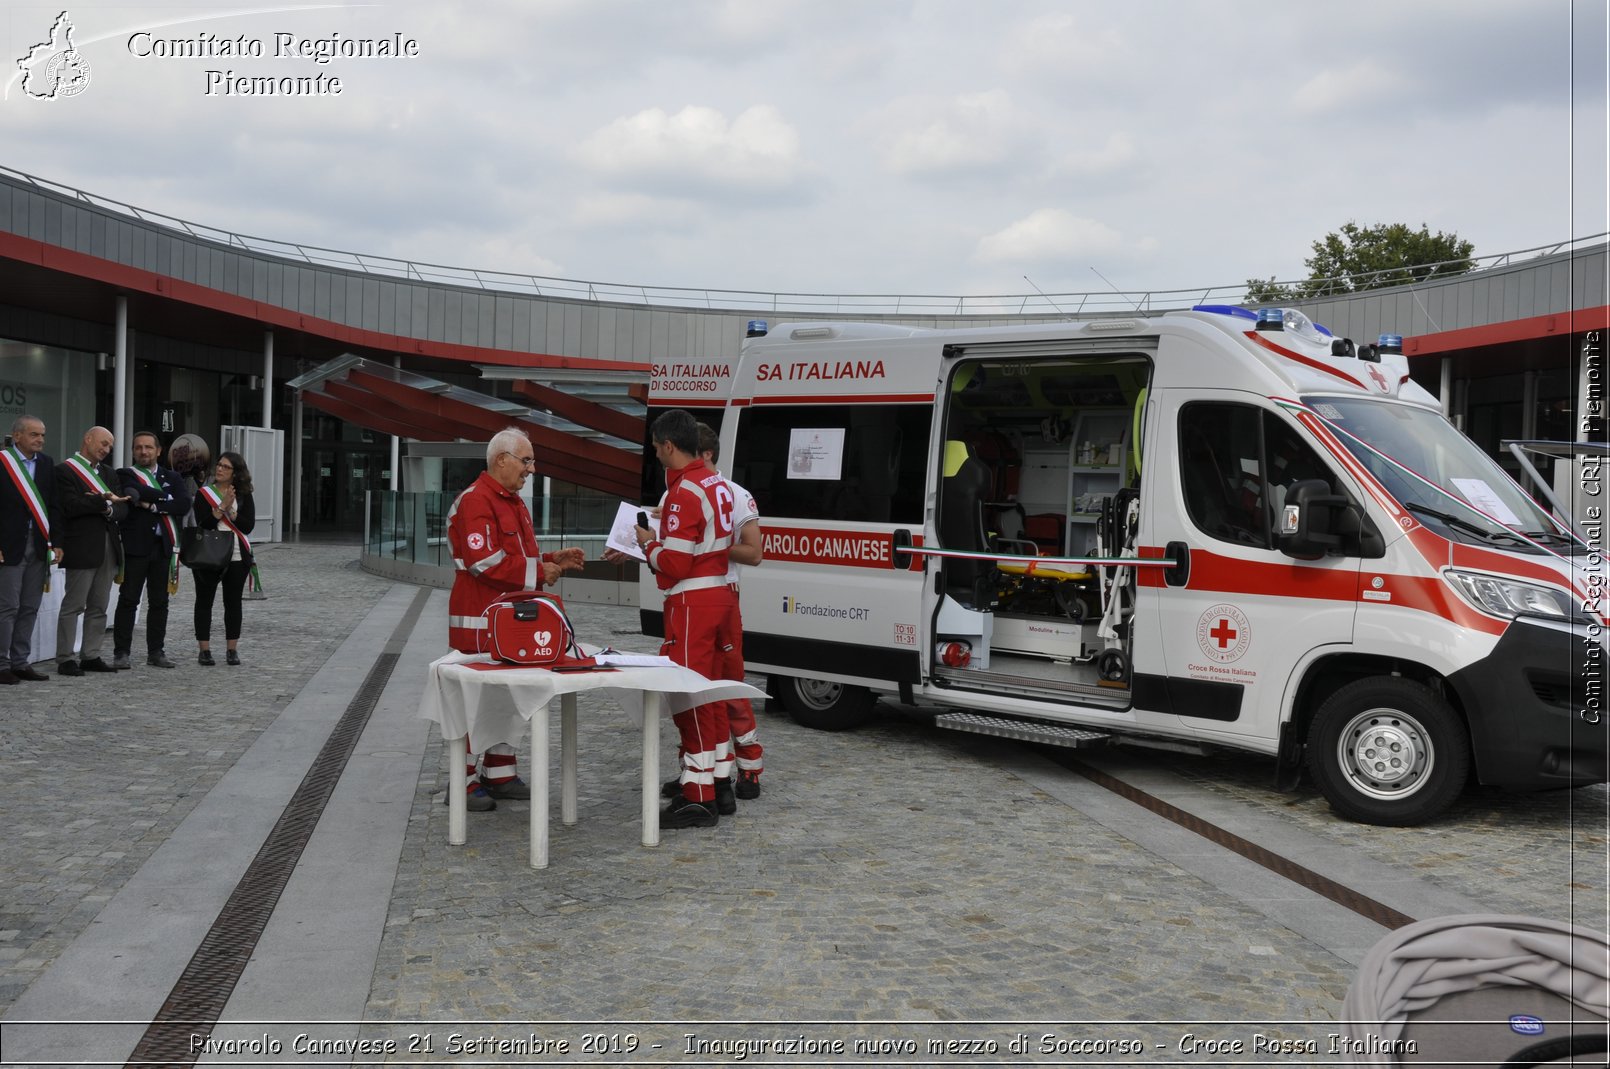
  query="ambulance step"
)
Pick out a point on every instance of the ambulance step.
point(1000, 726)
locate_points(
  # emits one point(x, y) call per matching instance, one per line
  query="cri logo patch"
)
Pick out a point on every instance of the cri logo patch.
point(475, 540)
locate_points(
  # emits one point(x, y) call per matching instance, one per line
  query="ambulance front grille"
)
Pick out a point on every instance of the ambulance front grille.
point(1002, 727)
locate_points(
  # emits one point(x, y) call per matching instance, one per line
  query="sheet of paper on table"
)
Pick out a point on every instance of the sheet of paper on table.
point(620, 533)
point(635, 660)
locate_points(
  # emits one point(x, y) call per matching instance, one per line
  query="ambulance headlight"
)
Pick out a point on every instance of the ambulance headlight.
point(1498, 596)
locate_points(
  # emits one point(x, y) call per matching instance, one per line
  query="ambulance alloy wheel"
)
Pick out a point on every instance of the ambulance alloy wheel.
point(1388, 751)
point(816, 703)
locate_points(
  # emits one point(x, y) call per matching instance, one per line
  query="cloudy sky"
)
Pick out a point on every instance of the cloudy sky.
point(832, 146)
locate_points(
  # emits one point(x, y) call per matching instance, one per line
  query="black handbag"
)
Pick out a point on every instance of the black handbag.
point(204, 550)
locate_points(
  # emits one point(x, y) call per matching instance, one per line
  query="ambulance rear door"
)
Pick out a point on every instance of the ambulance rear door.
point(829, 428)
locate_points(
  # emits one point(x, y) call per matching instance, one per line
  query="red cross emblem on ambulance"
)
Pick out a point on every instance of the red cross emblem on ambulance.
point(1380, 379)
point(1224, 633)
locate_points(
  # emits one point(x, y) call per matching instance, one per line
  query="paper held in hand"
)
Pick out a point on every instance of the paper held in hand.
point(620, 533)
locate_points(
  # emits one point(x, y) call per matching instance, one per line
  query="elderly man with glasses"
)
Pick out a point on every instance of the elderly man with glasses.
point(495, 552)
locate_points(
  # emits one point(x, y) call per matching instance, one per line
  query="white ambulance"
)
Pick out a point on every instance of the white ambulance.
point(1207, 529)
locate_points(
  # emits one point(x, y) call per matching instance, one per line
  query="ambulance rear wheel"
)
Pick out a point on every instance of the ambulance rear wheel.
point(1388, 751)
point(816, 703)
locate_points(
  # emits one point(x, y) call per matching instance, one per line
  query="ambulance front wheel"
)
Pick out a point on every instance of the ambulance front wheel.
point(1388, 751)
point(816, 703)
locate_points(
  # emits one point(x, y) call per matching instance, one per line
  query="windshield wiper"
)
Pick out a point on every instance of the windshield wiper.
point(1550, 536)
point(1464, 524)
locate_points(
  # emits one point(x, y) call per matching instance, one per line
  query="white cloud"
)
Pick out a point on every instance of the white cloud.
point(966, 132)
point(1364, 84)
point(758, 148)
point(1063, 42)
point(624, 209)
point(1048, 235)
point(1114, 154)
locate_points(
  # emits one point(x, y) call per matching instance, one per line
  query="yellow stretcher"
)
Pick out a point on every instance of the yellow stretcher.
point(1055, 573)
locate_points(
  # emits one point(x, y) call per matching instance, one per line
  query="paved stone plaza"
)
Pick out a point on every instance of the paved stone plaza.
point(895, 883)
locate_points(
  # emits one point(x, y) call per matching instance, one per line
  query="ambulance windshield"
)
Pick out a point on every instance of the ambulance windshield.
point(1434, 451)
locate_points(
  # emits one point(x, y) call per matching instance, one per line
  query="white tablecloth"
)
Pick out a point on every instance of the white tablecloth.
point(496, 705)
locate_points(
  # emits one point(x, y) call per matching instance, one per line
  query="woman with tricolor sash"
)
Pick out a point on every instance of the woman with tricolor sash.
point(226, 504)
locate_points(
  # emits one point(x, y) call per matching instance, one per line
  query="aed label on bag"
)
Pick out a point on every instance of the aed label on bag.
point(544, 645)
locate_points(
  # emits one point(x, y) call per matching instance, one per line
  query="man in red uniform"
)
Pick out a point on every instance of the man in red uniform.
point(495, 552)
point(689, 559)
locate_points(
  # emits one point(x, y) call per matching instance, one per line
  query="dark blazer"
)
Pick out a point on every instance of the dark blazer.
point(82, 518)
point(15, 516)
point(144, 533)
point(245, 516)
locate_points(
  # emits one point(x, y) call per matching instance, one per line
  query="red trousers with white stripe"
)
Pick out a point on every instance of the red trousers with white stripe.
point(698, 624)
point(740, 714)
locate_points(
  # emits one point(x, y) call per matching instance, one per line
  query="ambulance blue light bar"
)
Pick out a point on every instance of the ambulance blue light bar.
point(755, 329)
point(1390, 343)
point(1226, 310)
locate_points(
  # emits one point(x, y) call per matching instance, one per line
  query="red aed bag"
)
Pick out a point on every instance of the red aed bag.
point(529, 629)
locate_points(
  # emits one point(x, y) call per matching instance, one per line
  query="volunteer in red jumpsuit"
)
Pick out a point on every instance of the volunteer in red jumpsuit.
point(689, 558)
point(747, 549)
point(494, 553)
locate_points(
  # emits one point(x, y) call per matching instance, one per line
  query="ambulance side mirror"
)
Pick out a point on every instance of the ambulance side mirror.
point(1313, 520)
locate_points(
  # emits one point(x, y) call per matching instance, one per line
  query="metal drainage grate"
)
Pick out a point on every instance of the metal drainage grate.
point(197, 1000)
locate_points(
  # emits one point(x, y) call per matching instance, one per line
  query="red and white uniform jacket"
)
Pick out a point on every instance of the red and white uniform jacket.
point(494, 552)
point(695, 531)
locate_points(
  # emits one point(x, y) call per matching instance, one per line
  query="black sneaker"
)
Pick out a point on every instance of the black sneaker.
point(476, 800)
point(726, 801)
point(748, 785)
point(69, 668)
point(204, 657)
point(682, 813)
point(671, 788)
point(95, 664)
point(514, 790)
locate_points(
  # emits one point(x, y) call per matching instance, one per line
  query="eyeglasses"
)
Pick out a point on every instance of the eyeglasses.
point(528, 462)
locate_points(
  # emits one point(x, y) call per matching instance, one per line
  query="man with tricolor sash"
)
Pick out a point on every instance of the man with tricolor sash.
point(159, 498)
point(89, 508)
point(27, 506)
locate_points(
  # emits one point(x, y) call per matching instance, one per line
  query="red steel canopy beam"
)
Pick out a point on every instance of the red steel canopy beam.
point(355, 415)
point(372, 407)
point(591, 464)
point(587, 413)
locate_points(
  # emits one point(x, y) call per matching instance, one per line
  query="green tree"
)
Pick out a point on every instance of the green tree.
point(1366, 258)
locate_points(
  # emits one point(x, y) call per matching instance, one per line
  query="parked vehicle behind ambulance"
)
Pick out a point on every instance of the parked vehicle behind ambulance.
point(1207, 528)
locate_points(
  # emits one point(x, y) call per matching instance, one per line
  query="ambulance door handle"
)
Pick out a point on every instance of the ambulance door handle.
point(1180, 554)
point(900, 539)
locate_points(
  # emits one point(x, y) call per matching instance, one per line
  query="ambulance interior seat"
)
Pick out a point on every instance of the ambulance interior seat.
point(961, 526)
point(1004, 464)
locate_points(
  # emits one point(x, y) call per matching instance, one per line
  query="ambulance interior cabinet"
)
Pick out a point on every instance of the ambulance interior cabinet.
point(1096, 463)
